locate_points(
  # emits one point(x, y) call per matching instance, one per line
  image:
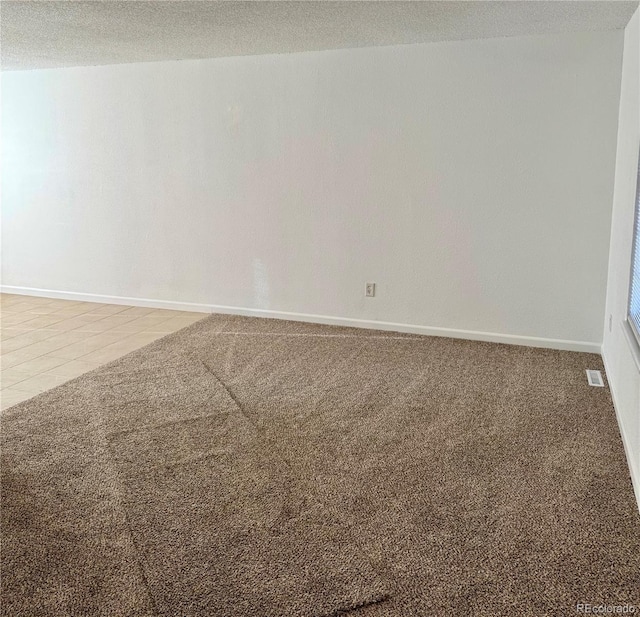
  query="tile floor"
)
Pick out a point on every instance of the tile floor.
point(46, 342)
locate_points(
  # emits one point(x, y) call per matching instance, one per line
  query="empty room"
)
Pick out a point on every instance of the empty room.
point(320, 308)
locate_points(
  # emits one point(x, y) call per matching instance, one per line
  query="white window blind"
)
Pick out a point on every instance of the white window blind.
point(634, 295)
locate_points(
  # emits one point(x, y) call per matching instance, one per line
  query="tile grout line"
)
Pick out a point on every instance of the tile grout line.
point(156, 323)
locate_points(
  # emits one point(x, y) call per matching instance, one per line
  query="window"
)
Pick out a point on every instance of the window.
point(634, 294)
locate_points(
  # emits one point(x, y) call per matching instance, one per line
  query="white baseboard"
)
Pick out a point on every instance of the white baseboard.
point(633, 472)
point(473, 335)
point(83, 297)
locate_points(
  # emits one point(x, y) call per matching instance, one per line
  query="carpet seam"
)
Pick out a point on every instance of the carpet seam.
point(363, 553)
point(119, 490)
point(301, 334)
point(150, 427)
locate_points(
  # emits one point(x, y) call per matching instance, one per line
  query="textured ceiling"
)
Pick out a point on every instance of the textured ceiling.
point(43, 34)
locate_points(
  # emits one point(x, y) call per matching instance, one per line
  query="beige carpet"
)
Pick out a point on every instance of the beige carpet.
point(265, 468)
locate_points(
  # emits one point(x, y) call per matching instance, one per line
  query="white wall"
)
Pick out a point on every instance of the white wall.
point(471, 180)
point(622, 370)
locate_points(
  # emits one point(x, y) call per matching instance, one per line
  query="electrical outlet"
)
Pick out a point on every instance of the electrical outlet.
point(370, 290)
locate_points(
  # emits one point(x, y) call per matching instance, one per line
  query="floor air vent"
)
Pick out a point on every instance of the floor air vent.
point(595, 378)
